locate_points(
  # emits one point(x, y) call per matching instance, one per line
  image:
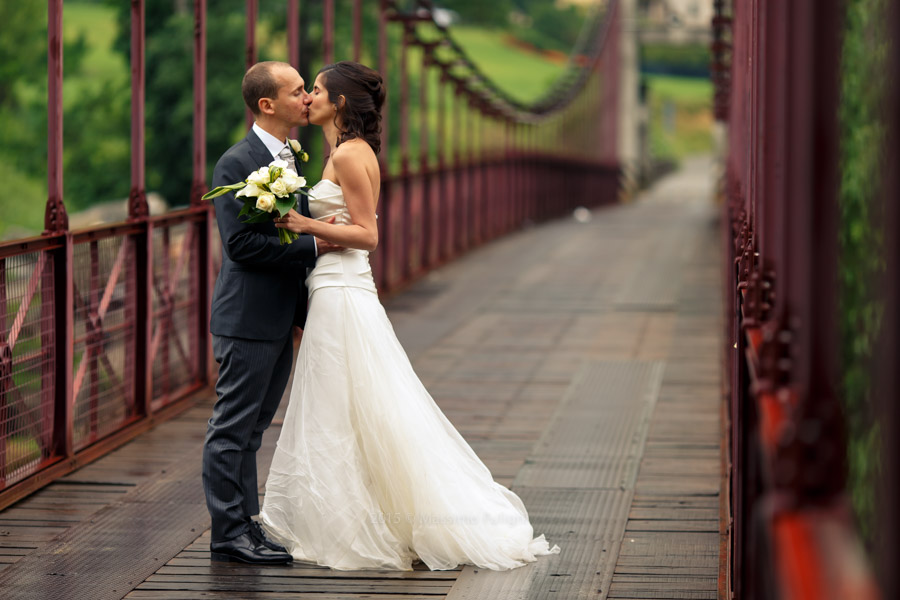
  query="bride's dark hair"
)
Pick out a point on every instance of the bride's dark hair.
point(363, 92)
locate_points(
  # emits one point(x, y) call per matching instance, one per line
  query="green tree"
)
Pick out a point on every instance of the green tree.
point(169, 110)
point(23, 47)
point(863, 140)
point(478, 12)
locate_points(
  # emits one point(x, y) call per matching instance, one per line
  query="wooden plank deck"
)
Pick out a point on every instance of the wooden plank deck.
point(579, 360)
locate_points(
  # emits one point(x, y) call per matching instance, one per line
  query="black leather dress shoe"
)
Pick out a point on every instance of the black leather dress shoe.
point(245, 548)
point(259, 535)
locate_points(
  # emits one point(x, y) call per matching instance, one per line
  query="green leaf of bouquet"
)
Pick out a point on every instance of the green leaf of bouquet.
point(246, 209)
point(284, 205)
point(223, 189)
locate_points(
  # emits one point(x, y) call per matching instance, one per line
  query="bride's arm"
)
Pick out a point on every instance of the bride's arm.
point(363, 234)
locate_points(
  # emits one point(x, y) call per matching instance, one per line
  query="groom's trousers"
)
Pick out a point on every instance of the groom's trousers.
point(252, 377)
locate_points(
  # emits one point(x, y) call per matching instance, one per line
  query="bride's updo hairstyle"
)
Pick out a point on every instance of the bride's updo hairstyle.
point(363, 92)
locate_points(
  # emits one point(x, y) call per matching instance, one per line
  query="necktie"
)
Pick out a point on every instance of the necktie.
point(287, 155)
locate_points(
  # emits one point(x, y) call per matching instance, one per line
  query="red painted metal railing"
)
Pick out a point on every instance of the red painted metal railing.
point(888, 381)
point(103, 331)
point(792, 534)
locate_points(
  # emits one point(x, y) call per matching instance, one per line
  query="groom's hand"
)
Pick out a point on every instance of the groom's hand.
point(324, 247)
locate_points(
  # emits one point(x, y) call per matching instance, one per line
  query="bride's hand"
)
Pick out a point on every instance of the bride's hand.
point(292, 221)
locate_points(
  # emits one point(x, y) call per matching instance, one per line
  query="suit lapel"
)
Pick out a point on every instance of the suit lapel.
point(258, 150)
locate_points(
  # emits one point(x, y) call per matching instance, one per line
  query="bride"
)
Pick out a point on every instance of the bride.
point(368, 472)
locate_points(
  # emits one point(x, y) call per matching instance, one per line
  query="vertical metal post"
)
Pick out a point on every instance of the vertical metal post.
point(293, 35)
point(426, 232)
point(357, 29)
point(163, 388)
point(456, 201)
point(202, 266)
point(811, 264)
point(443, 218)
point(250, 52)
point(405, 234)
point(328, 31)
point(327, 52)
point(478, 212)
point(509, 201)
point(198, 185)
point(473, 151)
point(385, 236)
point(94, 336)
point(137, 202)
point(888, 547)
point(5, 375)
point(56, 219)
point(138, 210)
point(56, 222)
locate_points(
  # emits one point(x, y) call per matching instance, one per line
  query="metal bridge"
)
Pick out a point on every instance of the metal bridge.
point(657, 383)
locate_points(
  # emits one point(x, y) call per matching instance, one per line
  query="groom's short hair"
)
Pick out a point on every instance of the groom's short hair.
point(259, 83)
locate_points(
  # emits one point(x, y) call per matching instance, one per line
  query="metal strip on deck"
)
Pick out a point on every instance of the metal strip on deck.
point(578, 484)
point(121, 545)
point(597, 435)
point(654, 283)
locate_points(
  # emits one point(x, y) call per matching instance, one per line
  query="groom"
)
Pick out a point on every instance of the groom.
point(258, 297)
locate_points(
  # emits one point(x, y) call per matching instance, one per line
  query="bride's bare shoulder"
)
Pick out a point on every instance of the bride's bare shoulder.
point(357, 148)
point(355, 156)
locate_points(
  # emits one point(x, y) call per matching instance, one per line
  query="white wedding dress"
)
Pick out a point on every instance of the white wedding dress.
point(368, 472)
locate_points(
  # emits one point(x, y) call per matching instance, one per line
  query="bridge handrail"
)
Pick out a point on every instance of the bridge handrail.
point(108, 332)
point(791, 534)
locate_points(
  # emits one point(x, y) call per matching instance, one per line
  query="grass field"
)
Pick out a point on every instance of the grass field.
point(681, 116)
point(525, 76)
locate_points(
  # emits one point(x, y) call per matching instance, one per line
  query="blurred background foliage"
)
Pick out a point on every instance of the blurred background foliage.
point(523, 45)
point(862, 266)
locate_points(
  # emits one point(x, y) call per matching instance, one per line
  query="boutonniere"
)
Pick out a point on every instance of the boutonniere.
point(299, 153)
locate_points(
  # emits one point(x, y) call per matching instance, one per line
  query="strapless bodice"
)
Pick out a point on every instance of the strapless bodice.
point(326, 199)
point(348, 268)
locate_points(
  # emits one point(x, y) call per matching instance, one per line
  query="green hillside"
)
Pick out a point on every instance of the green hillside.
point(96, 96)
point(524, 75)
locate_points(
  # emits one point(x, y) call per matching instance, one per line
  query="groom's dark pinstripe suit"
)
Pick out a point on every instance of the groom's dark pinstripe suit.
point(259, 294)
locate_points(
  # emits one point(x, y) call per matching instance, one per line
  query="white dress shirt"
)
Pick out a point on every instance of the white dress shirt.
point(274, 145)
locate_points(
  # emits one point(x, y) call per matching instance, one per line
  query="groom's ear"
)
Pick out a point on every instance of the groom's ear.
point(265, 106)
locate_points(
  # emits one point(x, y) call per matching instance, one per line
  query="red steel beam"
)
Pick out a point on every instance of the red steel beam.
point(198, 184)
point(293, 36)
point(55, 219)
point(405, 221)
point(328, 31)
point(888, 382)
point(250, 49)
point(137, 201)
point(357, 30)
point(384, 208)
point(425, 235)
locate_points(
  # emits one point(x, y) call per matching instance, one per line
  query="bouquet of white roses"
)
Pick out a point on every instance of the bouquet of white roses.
point(265, 191)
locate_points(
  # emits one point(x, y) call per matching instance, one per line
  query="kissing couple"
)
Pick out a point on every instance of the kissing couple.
point(368, 473)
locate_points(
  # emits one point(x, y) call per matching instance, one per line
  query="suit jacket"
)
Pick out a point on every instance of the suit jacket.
point(260, 290)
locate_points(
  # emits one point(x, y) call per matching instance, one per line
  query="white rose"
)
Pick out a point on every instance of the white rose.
point(259, 177)
point(278, 163)
point(250, 190)
point(266, 202)
point(292, 181)
point(295, 146)
point(279, 188)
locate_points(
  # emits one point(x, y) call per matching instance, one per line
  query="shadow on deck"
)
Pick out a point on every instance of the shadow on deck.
point(581, 362)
